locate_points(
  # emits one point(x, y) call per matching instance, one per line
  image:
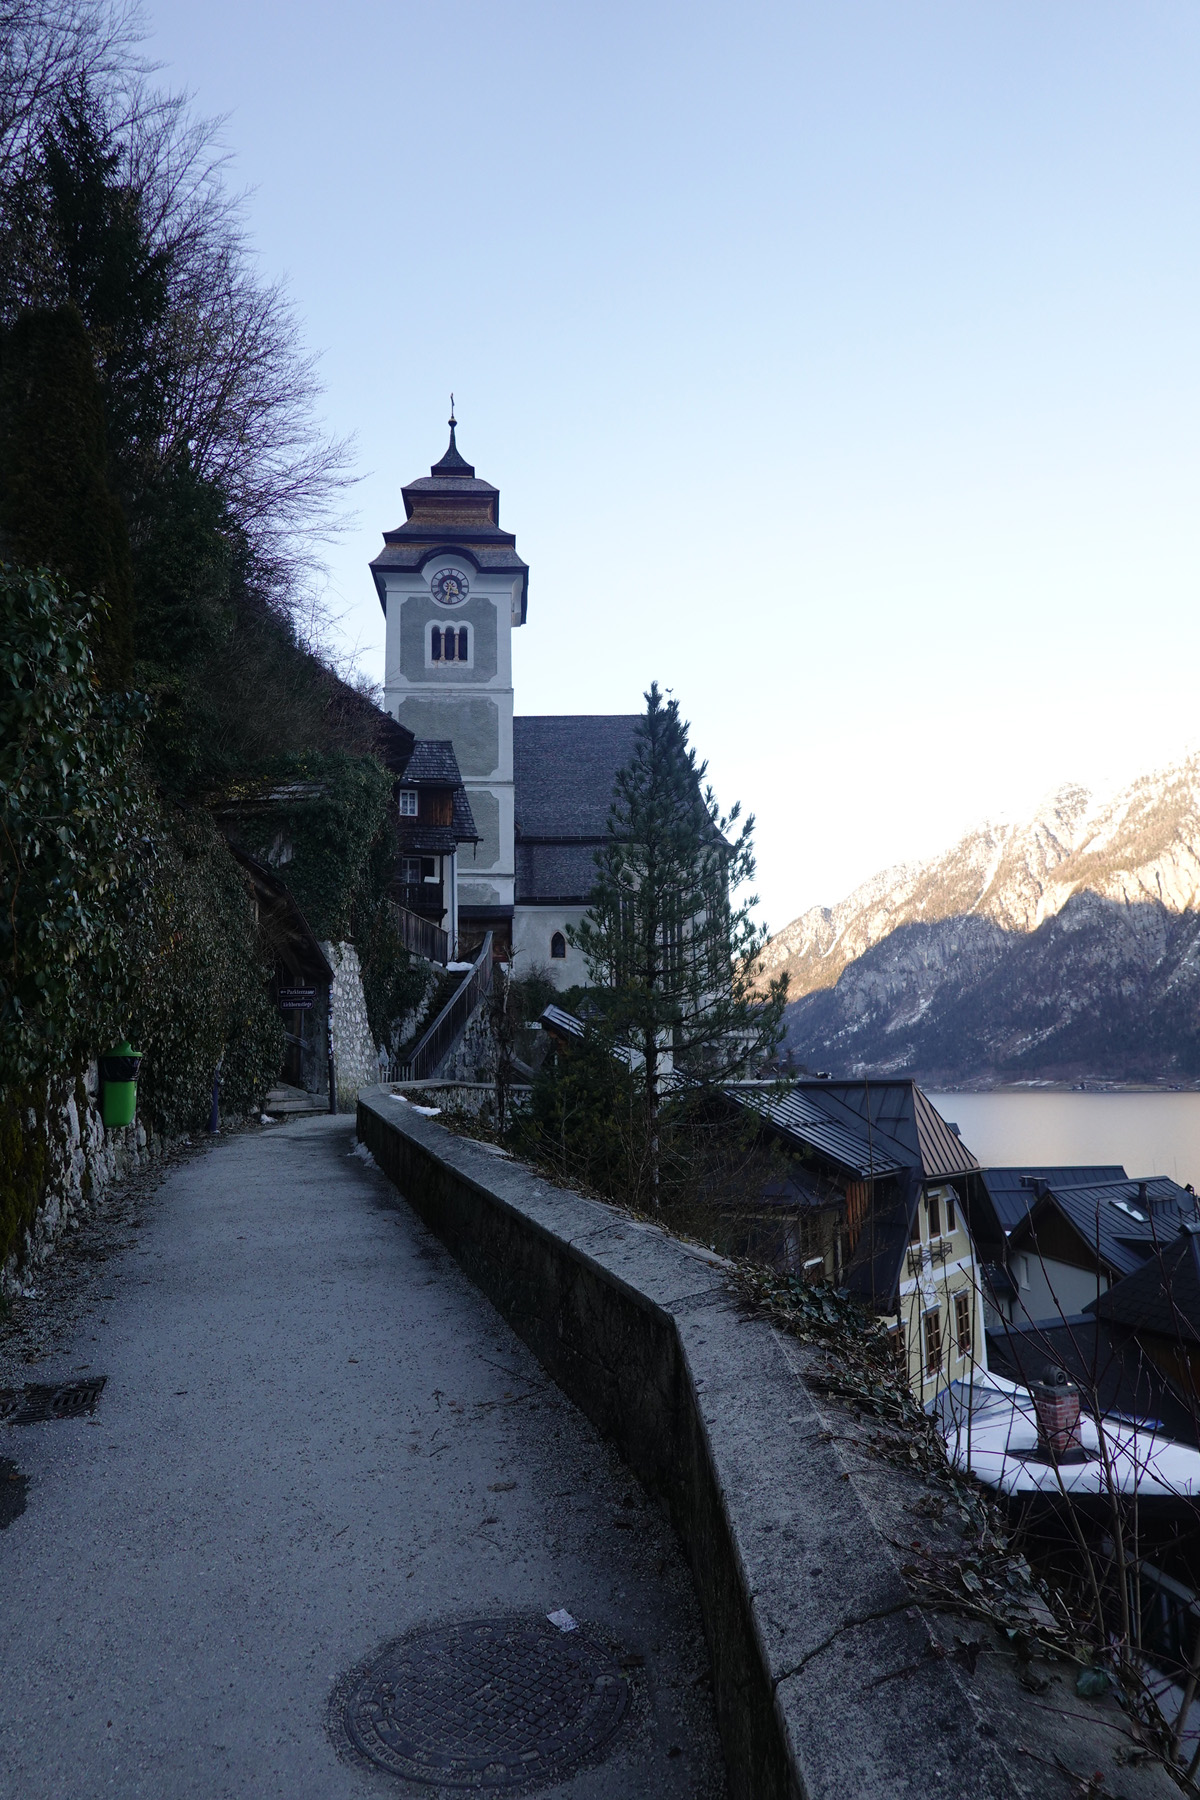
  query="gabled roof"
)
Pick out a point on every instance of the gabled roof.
point(1014, 1190)
point(798, 1116)
point(898, 1111)
point(432, 764)
point(1120, 1222)
point(1163, 1296)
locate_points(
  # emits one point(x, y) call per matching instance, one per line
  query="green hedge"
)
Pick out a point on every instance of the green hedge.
point(119, 917)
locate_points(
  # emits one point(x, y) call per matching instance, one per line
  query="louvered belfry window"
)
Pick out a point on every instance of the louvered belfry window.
point(450, 644)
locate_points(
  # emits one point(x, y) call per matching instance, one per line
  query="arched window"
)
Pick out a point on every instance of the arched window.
point(558, 944)
point(450, 643)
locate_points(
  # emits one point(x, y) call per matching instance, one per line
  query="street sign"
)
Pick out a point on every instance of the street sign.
point(296, 999)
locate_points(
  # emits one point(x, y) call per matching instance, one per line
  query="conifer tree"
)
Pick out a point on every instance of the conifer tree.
point(676, 959)
point(57, 509)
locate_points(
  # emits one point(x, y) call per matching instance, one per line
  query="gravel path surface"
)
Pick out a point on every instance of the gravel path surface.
point(315, 1436)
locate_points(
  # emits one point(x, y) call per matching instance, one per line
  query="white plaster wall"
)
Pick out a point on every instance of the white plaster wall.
point(401, 682)
point(1049, 1290)
point(533, 927)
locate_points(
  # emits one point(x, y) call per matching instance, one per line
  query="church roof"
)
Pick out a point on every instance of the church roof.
point(564, 769)
point(449, 510)
point(563, 774)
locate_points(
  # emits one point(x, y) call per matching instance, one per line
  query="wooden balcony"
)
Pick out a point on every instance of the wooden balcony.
point(421, 897)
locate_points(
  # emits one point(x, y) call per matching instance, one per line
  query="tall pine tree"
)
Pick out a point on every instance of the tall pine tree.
point(677, 959)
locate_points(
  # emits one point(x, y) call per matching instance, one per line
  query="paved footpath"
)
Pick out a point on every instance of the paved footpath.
point(315, 1436)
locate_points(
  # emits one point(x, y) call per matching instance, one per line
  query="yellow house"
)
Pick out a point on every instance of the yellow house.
point(939, 1328)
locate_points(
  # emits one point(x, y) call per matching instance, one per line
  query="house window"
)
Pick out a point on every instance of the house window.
point(418, 868)
point(558, 944)
point(950, 1219)
point(914, 1236)
point(450, 644)
point(898, 1345)
point(933, 1342)
point(935, 1216)
point(962, 1323)
point(408, 803)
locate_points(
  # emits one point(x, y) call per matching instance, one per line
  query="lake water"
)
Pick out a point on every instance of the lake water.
point(1151, 1134)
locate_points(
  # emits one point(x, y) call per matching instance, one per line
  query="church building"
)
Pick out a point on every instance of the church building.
point(453, 590)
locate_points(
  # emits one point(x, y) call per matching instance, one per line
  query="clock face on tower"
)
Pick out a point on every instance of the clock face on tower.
point(449, 587)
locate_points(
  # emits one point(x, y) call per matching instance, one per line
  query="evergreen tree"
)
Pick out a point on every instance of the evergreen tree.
point(677, 961)
point(57, 509)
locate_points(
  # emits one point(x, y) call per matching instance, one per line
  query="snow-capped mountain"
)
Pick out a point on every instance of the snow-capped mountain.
point(1066, 945)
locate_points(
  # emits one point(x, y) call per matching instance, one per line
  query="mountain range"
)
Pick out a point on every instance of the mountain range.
point(1063, 947)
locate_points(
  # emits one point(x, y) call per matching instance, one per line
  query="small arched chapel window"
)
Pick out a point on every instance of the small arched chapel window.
point(558, 945)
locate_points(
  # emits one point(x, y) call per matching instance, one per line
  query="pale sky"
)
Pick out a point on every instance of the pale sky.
point(839, 366)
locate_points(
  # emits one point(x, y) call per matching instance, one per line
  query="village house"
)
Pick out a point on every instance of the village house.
point(909, 1207)
point(1077, 1240)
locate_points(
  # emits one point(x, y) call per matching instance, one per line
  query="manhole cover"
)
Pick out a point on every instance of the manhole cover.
point(489, 1704)
point(40, 1401)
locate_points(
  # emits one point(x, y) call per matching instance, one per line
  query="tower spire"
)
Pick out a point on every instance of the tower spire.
point(453, 463)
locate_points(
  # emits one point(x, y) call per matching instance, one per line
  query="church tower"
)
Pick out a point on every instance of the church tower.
point(452, 588)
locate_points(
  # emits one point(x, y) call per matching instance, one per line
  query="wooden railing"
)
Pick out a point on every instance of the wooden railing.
point(422, 897)
point(423, 937)
point(435, 1043)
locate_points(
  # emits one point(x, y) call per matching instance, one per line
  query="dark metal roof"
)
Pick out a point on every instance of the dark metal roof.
point(560, 1023)
point(896, 1111)
point(1119, 1226)
point(1111, 1371)
point(1163, 1296)
point(798, 1117)
point(432, 764)
point(564, 768)
point(1014, 1190)
point(878, 1260)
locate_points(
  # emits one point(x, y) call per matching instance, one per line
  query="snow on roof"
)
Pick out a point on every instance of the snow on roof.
point(990, 1429)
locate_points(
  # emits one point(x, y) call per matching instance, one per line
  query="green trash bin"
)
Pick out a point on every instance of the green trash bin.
point(118, 1085)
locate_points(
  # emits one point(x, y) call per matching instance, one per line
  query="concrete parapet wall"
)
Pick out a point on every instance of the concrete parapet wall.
point(830, 1683)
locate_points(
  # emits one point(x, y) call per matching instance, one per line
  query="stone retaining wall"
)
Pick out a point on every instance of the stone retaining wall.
point(81, 1159)
point(355, 1057)
point(830, 1682)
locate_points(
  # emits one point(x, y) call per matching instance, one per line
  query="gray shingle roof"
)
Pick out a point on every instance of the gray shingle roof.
point(565, 872)
point(1105, 1363)
point(563, 772)
point(464, 827)
point(432, 764)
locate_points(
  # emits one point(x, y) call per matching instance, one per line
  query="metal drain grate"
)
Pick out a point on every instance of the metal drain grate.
point(41, 1401)
point(492, 1704)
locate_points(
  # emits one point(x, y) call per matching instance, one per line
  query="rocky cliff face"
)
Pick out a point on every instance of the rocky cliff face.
point(1063, 947)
